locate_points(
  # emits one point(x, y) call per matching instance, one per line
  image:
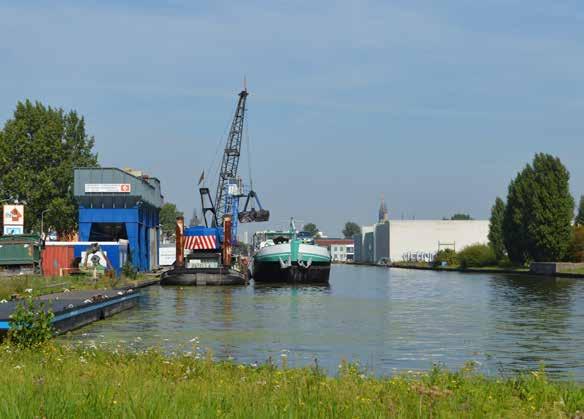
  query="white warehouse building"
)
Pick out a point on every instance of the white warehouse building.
point(420, 240)
point(416, 240)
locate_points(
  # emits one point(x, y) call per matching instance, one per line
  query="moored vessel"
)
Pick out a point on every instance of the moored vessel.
point(289, 257)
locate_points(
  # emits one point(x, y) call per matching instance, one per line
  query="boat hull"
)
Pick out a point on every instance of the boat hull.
point(272, 272)
point(187, 276)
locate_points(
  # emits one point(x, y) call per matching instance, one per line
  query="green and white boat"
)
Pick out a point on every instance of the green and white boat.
point(289, 257)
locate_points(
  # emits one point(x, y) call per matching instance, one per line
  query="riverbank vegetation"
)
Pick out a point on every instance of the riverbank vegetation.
point(536, 222)
point(64, 381)
point(36, 285)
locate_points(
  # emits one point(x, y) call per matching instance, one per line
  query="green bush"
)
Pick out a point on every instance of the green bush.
point(477, 256)
point(30, 324)
point(576, 249)
point(447, 255)
point(129, 271)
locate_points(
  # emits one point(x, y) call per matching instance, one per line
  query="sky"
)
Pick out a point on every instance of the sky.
point(434, 105)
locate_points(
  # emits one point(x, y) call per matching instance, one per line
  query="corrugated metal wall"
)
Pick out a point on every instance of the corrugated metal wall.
point(56, 258)
point(382, 241)
point(358, 239)
point(369, 247)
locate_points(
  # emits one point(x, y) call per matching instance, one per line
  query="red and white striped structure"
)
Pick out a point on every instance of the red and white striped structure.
point(200, 242)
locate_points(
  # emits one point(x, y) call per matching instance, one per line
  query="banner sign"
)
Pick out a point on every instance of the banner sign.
point(108, 188)
point(13, 215)
point(13, 230)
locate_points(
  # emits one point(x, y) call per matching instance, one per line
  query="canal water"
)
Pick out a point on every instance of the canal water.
point(386, 319)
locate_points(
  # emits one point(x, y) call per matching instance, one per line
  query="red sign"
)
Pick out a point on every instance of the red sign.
point(13, 215)
point(16, 215)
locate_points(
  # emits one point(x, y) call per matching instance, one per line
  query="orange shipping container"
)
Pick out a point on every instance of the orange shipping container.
point(54, 258)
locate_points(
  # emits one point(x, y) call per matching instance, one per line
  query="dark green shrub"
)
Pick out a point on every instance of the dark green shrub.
point(129, 271)
point(30, 324)
point(576, 249)
point(477, 256)
point(446, 255)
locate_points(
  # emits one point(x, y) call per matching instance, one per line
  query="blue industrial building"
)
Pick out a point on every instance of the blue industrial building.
point(117, 204)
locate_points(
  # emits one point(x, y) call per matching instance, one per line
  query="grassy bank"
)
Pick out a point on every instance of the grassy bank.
point(40, 285)
point(59, 381)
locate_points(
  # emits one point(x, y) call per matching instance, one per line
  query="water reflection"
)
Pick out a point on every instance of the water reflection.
point(532, 323)
point(386, 319)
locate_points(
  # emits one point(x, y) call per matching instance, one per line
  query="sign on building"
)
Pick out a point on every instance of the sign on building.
point(14, 215)
point(13, 230)
point(13, 218)
point(108, 188)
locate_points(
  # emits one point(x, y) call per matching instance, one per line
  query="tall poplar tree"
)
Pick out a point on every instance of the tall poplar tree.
point(39, 147)
point(539, 211)
point(579, 221)
point(496, 228)
point(515, 218)
point(551, 209)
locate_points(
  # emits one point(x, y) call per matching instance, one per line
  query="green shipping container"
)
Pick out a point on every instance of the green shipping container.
point(20, 254)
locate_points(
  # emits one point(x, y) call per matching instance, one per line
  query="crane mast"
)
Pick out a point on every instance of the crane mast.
point(230, 162)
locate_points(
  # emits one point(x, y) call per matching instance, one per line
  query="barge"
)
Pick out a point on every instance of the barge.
point(207, 262)
point(76, 309)
point(289, 257)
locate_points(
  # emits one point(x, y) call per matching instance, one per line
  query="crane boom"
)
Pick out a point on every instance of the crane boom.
point(231, 155)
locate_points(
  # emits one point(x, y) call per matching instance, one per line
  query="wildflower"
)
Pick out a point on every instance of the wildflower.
point(18, 367)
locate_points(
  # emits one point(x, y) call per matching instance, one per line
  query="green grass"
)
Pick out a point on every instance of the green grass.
point(40, 285)
point(58, 381)
point(579, 271)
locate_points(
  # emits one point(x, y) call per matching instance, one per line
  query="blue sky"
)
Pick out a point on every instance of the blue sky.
point(436, 105)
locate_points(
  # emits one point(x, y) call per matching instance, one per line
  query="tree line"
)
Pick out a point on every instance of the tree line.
point(39, 147)
point(536, 221)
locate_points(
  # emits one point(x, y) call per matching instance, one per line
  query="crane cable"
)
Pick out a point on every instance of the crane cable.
point(217, 150)
point(248, 138)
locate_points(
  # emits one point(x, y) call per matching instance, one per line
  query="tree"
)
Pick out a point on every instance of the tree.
point(552, 209)
point(514, 225)
point(459, 216)
point(39, 147)
point(496, 229)
point(576, 248)
point(351, 229)
point(579, 221)
point(311, 228)
point(539, 211)
point(168, 215)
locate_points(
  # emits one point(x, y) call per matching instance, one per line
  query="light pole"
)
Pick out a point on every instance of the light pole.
point(43, 223)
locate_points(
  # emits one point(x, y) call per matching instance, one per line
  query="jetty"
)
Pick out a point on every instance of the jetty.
point(75, 309)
